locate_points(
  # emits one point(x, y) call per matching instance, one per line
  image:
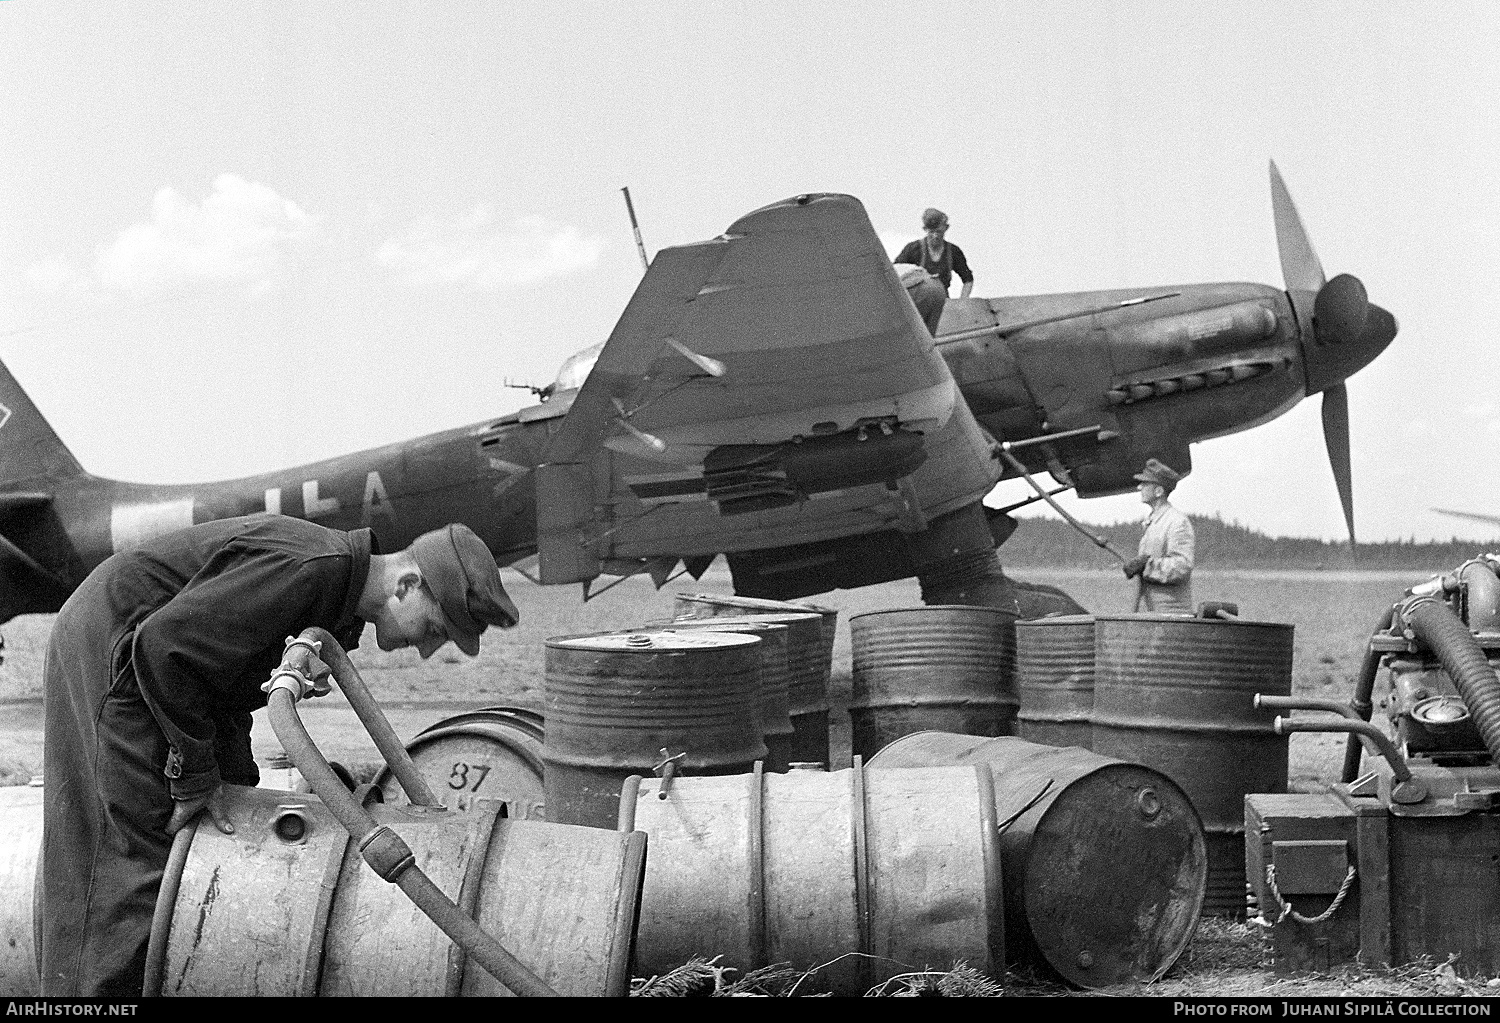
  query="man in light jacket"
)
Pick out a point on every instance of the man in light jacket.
point(1164, 560)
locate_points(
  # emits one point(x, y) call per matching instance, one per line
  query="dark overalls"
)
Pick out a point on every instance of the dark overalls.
point(154, 666)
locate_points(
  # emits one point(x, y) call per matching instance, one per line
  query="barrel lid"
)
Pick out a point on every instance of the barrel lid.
point(520, 719)
point(927, 608)
point(769, 617)
point(1190, 620)
point(653, 640)
point(734, 600)
point(1142, 886)
point(1057, 620)
point(727, 623)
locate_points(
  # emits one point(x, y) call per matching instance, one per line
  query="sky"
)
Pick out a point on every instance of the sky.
point(238, 237)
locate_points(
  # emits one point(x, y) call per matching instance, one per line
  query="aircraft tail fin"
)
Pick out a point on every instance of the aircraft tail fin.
point(29, 448)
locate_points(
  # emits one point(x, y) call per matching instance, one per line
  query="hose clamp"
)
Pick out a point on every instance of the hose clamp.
point(301, 684)
point(290, 679)
point(312, 646)
point(1406, 607)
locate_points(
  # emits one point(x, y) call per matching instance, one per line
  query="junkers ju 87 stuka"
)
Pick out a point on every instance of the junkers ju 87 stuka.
point(772, 395)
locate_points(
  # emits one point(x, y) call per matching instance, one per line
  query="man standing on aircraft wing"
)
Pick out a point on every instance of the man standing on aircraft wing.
point(154, 666)
point(1164, 560)
point(939, 257)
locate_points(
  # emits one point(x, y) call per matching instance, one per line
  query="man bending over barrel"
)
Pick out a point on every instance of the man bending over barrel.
point(154, 666)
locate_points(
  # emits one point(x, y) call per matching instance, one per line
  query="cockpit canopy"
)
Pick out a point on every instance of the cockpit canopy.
point(575, 369)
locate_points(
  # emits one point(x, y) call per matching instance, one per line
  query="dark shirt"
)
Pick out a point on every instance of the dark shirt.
point(952, 261)
point(208, 610)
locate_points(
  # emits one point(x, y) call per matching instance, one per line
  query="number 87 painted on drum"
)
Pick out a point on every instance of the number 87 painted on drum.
point(494, 753)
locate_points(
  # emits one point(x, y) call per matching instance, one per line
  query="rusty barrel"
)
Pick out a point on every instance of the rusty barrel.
point(287, 906)
point(945, 667)
point(864, 875)
point(809, 659)
point(614, 702)
point(714, 605)
point(1105, 862)
point(20, 849)
point(1175, 693)
point(490, 753)
point(1055, 680)
point(773, 679)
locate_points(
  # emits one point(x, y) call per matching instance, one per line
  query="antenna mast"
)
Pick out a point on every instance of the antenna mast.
point(640, 246)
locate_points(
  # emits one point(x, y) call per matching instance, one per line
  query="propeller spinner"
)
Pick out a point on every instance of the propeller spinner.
point(1342, 332)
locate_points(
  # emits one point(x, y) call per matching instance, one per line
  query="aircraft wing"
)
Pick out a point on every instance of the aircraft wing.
point(771, 386)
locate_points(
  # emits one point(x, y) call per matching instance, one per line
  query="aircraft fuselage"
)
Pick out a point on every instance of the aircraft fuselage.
point(1138, 373)
point(1210, 360)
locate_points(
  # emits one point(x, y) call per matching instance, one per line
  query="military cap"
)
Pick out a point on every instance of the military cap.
point(1162, 475)
point(461, 573)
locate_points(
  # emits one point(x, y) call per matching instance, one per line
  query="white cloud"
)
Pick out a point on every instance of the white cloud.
point(242, 234)
point(476, 252)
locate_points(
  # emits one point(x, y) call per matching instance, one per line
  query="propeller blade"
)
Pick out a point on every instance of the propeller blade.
point(1336, 439)
point(1299, 263)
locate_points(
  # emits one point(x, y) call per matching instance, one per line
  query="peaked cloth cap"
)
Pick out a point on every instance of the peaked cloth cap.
point(461, 573)
point(1159, 473)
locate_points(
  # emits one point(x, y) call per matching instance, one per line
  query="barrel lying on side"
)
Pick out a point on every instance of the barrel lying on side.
point(900, 868)
point(942, 667)
point(20, 846)
point(490, 753)
point(1177, 694)
point(1104, 861)
point(286, 906)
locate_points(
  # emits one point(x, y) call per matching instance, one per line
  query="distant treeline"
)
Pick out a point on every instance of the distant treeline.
point(1050, 543)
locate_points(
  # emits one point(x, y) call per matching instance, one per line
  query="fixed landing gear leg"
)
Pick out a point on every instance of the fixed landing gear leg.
point(957, 564)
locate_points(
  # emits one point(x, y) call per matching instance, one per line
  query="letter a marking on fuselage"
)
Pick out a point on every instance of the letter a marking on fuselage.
point(376, 500)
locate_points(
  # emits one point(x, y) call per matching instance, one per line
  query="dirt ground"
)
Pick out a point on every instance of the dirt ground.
point(1333, 615)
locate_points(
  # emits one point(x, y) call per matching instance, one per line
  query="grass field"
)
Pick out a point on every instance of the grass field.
point(1333, 614)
